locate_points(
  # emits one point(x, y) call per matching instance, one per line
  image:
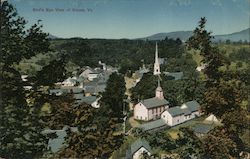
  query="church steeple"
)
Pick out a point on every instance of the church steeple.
point(159, 91)
point(156, 64)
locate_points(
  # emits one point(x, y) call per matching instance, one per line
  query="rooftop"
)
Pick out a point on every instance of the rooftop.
point(203, 128)
point(192, 105)
point(153, 124)
point(138, 144)
point(175, 111)
point(154, 102)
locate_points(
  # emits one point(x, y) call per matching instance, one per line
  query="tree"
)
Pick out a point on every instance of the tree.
point(201, 40)
point(223, 97)
point(193, 147)
point(54, 72)
point(20, 126)
point(84, 143)
point(112, 98)
point(97, 129)
point(218, 145)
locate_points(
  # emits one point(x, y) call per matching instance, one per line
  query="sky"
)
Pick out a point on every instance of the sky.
point(115, 19)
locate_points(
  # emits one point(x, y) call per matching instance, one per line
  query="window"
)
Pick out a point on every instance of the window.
point(163, 116)
point(178, 121)
point(152, 111)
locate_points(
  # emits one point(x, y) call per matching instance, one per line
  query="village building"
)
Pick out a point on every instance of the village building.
point(202, 129)
point(137, 149)
point(92, 100)
point(69, 82)
point(212, 119)
point(179, 114)
point(95, 87)
point(151, 108)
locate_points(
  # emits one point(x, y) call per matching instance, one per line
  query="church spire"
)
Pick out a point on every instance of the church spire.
point(159, 91)
point(156, 64)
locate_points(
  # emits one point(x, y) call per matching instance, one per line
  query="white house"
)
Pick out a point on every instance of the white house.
point(86, 72)
point(212, 118)
point(70, 82)
point(151, 108)
point(137, 149)
point(179, 114)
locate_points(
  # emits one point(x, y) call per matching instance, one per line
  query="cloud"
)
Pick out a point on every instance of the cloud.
point(180, 2)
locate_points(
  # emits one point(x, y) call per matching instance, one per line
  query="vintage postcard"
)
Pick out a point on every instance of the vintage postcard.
point(125, 79)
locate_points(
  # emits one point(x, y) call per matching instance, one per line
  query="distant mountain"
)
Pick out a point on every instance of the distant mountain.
point(52, 37)
point(237, 36)
point(184, 35)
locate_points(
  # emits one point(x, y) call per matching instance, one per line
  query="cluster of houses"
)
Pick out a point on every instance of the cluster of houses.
point(87, 85)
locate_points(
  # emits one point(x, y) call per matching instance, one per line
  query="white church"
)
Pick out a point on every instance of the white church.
point(158, 106)
point(152, 108)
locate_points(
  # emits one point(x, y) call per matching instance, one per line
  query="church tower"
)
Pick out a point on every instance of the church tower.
point(156, 64)
point(159, 91)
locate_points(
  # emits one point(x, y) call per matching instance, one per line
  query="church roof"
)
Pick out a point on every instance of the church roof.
point(154, 102)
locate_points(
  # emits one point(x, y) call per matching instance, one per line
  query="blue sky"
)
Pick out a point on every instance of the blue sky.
point(133, 18)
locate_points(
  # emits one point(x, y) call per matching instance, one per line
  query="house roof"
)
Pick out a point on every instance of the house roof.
point(89, 99)
point(95, 89)
point(78, 96)
point(154, 102)
point(203, 128)
point(186, 111)
point(175, 111)
point(153, 124)
point(138, 144)
point(192, 105)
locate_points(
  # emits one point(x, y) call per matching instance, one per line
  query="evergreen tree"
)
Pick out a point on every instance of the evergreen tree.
point(223, 96)
point(20, 126)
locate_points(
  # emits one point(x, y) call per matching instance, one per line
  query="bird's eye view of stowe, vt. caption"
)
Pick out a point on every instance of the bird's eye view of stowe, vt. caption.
point(125, 79)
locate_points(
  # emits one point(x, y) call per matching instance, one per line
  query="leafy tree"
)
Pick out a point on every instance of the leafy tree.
point(54, 72)
point(193, 147)
point(218, 145)
point(96, 129)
